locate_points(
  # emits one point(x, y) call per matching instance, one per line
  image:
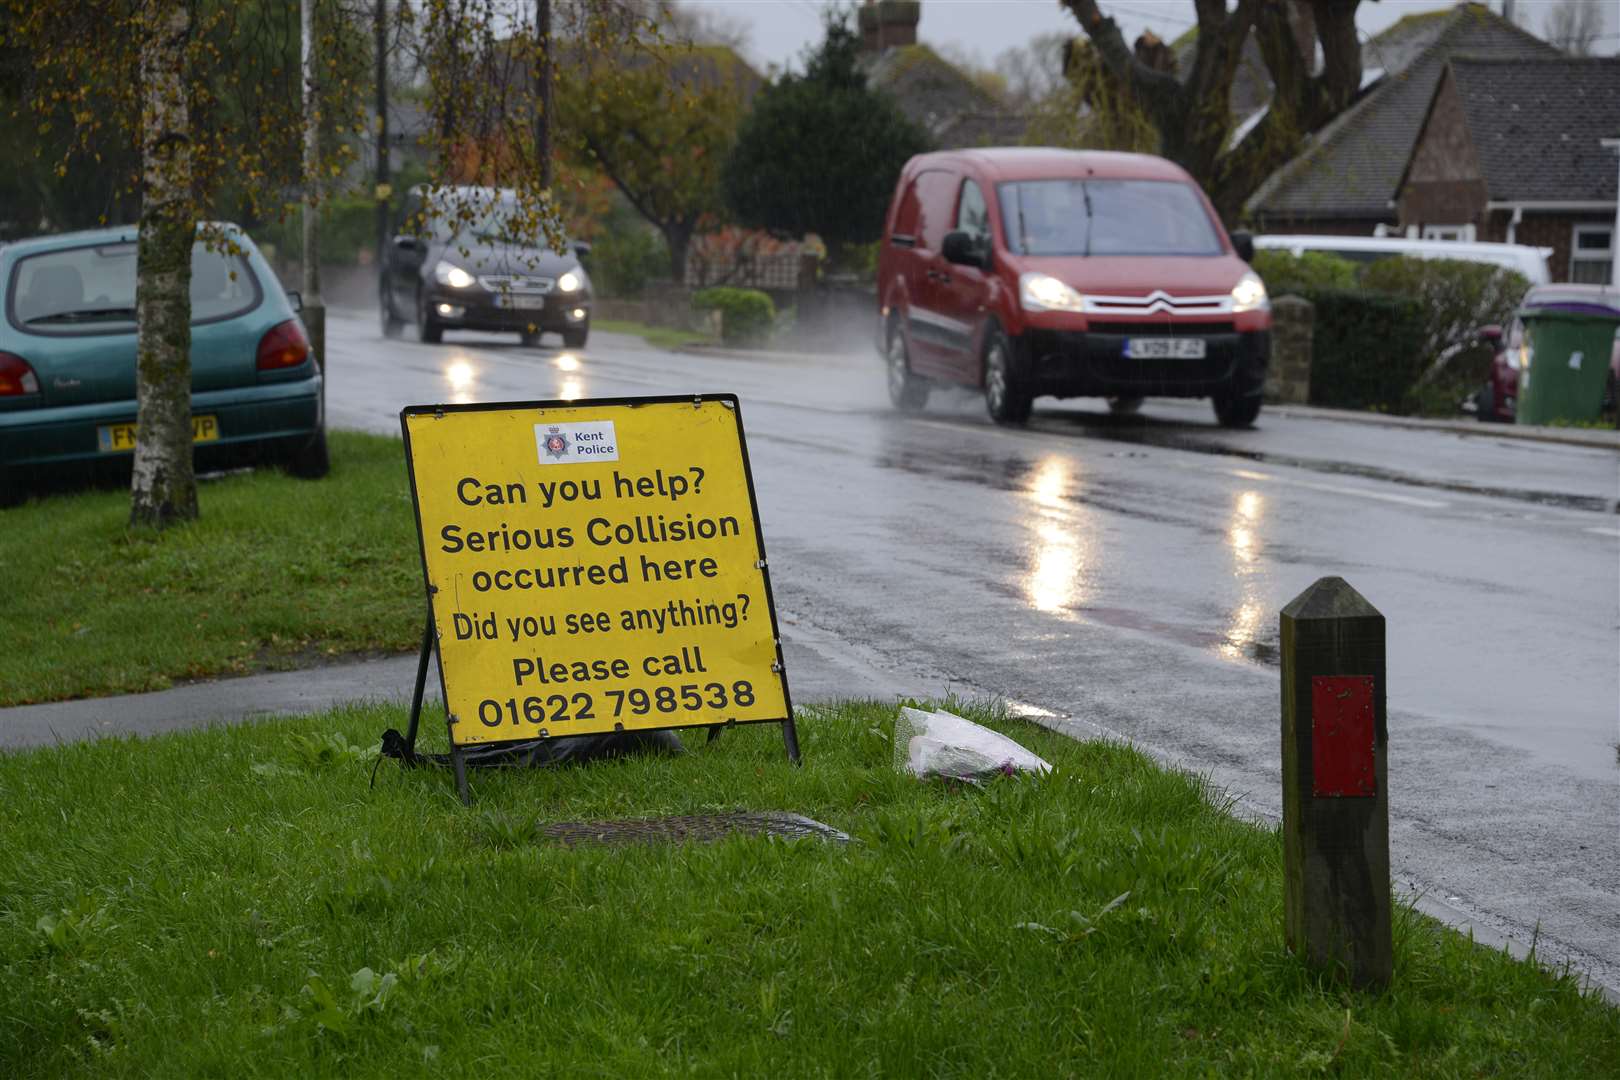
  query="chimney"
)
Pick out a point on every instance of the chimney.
point(888, 24)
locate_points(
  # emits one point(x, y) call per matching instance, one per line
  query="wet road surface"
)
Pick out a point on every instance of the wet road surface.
point(1125, 574)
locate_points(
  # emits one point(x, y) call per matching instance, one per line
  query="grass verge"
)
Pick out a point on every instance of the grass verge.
point(239, 902)
point(275, 573)
point(662, 337)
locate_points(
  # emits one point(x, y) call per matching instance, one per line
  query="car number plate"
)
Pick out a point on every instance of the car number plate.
point(1165, 348)
point(520, 303)
point(120, 438)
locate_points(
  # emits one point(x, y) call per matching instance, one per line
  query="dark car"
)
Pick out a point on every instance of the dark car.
point(67, 360)
point(1498, 399)
point(458, 267)
point(1034, 271)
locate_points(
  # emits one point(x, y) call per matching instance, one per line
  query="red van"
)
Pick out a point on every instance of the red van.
point(1033, 271)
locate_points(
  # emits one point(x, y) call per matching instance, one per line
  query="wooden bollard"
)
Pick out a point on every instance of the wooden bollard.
point(1335, 737)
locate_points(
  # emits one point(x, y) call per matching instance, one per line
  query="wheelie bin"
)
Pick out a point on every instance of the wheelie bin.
point(1567, 342)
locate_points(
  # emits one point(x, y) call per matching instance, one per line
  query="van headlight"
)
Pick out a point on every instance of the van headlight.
point(1249, 294)
point(1043, 292)
point(450, 274)
point(569, 282)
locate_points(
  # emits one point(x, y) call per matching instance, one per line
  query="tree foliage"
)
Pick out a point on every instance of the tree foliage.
point(212, 94)
point(663, 131)
point(818, 152)
point(1190, 110)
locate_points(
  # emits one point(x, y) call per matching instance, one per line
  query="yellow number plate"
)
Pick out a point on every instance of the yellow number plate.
point(120, 438)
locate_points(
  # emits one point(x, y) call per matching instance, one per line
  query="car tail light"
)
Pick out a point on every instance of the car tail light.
point(16, 377)
point(283, 346)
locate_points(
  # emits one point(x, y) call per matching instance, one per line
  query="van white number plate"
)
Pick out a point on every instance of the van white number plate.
point(1165, 348)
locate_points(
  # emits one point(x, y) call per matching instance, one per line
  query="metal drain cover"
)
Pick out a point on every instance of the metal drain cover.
point(685, 827)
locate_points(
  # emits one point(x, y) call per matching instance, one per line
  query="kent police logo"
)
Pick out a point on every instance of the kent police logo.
point(556, 444)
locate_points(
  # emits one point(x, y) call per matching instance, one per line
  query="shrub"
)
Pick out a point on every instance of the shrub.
point(1457, 297)
point(348, 226)
point(1286, 273)
point(745, 314)
point(625, 258)
point(1367, 348)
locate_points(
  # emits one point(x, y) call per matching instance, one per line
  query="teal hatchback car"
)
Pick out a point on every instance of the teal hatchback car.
point(67, 361)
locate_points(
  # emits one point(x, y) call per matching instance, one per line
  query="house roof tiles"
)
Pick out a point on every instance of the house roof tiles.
point(1537, 124)
point(1355, 163)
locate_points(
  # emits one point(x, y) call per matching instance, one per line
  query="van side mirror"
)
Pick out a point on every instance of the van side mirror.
point(581, 248)
point(964, 250)
point(407, 242)
point(1243, 244)
point(295, 300)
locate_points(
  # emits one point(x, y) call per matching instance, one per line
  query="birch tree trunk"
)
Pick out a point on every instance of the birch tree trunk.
point(163, 489)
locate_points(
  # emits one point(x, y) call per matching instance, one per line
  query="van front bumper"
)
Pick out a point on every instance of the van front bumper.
point(1092, 363)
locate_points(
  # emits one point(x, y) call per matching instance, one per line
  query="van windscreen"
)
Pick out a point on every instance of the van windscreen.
point(1106, 217)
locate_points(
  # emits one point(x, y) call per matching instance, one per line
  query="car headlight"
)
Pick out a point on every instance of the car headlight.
point(452, 275)
point(1043, 292)
point(1249, 294)
point(569, 282)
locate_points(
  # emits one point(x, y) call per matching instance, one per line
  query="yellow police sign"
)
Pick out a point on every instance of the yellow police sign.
point(594, 566)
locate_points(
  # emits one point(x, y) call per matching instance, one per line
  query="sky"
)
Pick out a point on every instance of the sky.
point(779, 30)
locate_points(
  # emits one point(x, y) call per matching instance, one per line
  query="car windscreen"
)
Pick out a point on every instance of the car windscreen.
point(1106, 217)
point(503, 223)
point(91, 289)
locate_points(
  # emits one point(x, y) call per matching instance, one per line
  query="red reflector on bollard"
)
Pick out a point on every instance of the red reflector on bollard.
point(1343, 729)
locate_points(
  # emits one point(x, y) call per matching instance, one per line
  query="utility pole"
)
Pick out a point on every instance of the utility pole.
point(542, 91)
point(314, 312)
point(384, 189)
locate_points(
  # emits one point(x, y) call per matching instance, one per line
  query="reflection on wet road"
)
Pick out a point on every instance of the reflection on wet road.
point(1129, 573)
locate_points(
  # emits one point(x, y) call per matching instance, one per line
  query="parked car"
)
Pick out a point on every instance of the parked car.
point(1034, 271)
point(1498, 399)
point(67, 359)
point(1530, 262)
point(457, 266)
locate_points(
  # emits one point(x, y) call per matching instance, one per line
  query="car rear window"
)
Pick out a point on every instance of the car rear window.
point(1107, 217)
point(91, 289)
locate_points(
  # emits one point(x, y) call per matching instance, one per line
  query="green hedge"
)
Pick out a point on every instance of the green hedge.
point(746, 315)
point(1367, 348)
point(1285, 273)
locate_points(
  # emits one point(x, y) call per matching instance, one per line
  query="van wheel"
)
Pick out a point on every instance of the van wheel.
point(1005, 397)
point(531, 338)
point(907, 392)
point(577, 337)
point(10, 494)
point(1124, 406)
point(1236, 412)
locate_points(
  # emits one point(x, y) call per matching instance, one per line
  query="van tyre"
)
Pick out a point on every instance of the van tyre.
point(310, 461)
point(575, 339)
point(391, 327)
point(1006, 397)
point(907, 392)
point(531, 339)
point(1236, 412)
point(428, 332)
point(10, 493)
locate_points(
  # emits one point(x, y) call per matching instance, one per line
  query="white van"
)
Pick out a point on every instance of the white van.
point(1528, 261)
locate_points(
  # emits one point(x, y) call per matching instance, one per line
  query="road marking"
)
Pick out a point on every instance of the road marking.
point(1604, 530)
point(1342, 489)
